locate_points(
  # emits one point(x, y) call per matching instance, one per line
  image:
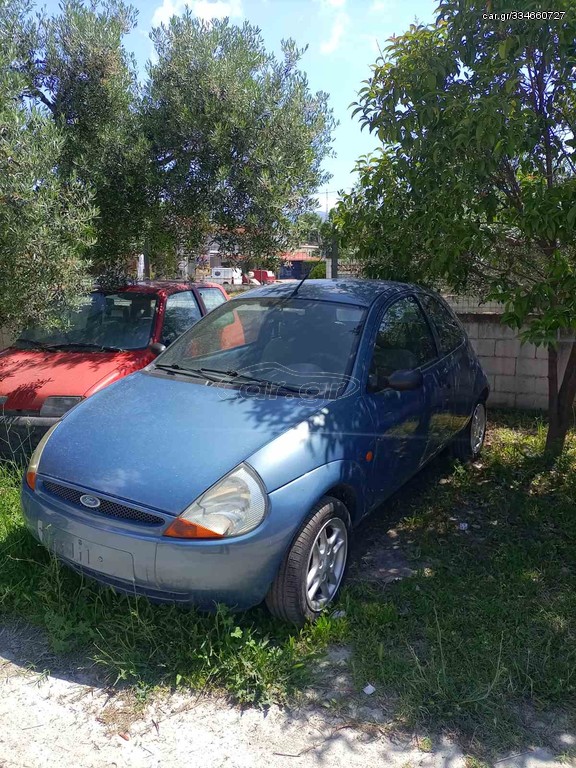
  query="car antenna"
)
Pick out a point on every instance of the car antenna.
point(306, 276)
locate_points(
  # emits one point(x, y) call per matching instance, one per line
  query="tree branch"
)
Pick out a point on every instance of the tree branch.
point(37, 93)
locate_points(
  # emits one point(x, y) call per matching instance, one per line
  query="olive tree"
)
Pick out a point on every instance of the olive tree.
point(238, 138)
point(45, 221)
point(78, 71)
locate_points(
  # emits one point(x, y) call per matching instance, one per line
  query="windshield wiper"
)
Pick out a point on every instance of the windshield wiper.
point(36, 344)
point(85, 345)
point(178, 369)
point(246, 378)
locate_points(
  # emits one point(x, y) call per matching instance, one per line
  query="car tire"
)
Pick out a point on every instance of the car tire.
point(469, 443)
point(289, 597)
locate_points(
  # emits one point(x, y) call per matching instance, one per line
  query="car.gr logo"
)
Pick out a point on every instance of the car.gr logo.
point(307, 381)
point(90, 501)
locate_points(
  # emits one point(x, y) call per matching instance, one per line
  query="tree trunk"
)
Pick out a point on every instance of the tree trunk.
point(334, 256)
point(560, 400)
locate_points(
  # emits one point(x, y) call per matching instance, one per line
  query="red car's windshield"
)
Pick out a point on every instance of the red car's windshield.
point(119, 320)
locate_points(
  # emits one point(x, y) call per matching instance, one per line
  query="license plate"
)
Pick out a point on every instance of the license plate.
point(97, 557)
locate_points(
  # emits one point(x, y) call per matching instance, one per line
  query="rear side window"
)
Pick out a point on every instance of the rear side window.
point(450, 333)
point(404, 339)
point(181, 312)
point(212, 297)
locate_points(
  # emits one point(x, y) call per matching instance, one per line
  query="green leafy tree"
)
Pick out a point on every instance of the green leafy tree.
point(238, 138)
point(308, 229)
point(77, 69)
point(45, 222)
point(475, 184)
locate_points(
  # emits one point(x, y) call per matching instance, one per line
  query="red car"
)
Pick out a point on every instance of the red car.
point(264, 276)
point(46, 372)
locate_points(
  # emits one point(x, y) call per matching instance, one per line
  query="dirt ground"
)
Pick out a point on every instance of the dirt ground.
point(66, 718)
point(56, 713)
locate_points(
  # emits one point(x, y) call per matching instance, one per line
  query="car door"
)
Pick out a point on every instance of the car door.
point(180, 313)
point(403, 341)
point(211, 297)
point(457, 372)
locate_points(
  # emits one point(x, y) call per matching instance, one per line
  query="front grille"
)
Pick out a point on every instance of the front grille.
point(108, 508)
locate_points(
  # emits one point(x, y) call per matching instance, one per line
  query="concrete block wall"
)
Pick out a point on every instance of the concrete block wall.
point(6, 338)
point(518, 373)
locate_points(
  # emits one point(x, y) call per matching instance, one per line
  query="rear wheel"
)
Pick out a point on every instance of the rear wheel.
point(468, 445)
point(314, 567)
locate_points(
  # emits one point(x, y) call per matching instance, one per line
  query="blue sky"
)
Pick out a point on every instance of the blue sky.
point(343, 38)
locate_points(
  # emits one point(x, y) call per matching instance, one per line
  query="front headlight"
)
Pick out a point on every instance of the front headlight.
point(235, 505)
point(32, 470)
point(58, 406)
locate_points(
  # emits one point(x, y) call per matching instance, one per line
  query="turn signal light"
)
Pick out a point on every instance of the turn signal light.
point(183, 529)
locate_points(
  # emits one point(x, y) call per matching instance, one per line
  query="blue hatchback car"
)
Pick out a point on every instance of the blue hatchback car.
point(233, 468)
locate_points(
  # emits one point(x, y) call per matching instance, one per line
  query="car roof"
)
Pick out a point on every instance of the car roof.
point(345, 290)
point(168, 286)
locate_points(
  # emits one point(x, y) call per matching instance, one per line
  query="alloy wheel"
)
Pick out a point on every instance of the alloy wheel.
point(478, 428)
point(326, 564)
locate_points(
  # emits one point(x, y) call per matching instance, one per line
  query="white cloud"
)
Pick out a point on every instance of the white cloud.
point(203, 9)
point(380, 6)
point(336, 34)
point(216, 9)
point(163, 13)
point(334, 3)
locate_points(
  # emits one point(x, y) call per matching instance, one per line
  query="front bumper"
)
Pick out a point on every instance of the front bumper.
point(138, 560)
point(19, 435)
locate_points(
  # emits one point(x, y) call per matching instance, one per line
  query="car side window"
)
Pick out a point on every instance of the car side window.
point(404, 340)
point(450, 333)
point(212, 297)
point(181, 312)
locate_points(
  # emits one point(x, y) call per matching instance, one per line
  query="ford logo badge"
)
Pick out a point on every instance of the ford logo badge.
point(90, 501)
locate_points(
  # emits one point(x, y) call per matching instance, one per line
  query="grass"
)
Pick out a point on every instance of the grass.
point(481, 641)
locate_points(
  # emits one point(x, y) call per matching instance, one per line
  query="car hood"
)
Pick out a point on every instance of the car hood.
point(29, 376)
point(161, 441)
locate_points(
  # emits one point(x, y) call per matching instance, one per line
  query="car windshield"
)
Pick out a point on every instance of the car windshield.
point(103, 321)
point(296, 344)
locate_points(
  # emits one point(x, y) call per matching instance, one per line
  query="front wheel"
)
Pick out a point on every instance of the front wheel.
point(468, 445)
point(314, 567)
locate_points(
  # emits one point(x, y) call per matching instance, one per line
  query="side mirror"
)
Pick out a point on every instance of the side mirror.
point(157, 348)
point(403, 381)
point(377, 381)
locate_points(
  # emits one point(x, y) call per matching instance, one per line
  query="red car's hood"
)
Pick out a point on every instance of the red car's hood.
point(29, 376)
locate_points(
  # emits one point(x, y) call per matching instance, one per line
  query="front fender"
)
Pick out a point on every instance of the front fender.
point(292, 502)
